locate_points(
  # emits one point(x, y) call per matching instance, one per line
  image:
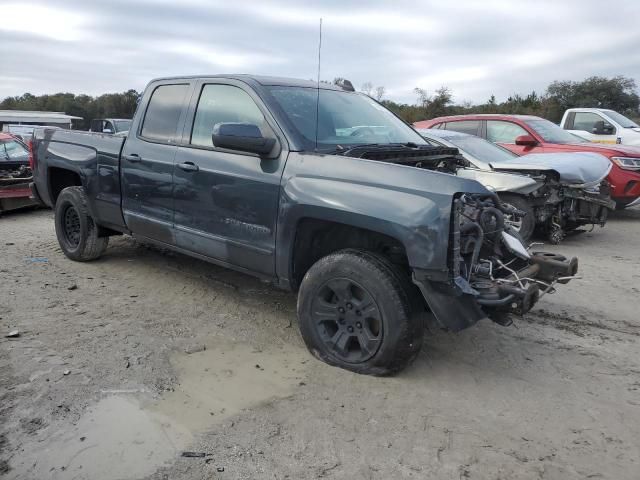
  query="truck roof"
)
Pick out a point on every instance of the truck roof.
point(260, 79)
point(588, 109)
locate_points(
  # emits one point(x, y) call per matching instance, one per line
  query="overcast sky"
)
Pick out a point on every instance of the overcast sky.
point(477, 48)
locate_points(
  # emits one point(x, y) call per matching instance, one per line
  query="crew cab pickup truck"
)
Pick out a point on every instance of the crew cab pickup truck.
point(524, 134)
point(316, 189)
point(601, 125)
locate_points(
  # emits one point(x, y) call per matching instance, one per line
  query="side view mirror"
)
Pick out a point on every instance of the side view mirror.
point(526, 141)
point(107, 130)
point(245, 137)
point(602, 128)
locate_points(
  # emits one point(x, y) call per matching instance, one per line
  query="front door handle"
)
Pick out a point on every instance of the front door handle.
point(133, 158)
point(188, 167)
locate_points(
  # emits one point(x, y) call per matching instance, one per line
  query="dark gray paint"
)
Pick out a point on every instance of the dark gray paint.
point(242, 211)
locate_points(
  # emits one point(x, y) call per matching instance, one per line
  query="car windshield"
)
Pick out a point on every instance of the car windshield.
point(481, 149)
point(11, 151)
point(122, 125)
point(344, 118)
point(552, 133)
point(620, 119)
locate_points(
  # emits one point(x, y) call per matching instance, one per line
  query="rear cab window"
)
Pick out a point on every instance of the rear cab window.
point(162, 118)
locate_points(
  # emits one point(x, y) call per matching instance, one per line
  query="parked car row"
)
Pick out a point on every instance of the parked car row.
point(558, 192)
point(525, 134)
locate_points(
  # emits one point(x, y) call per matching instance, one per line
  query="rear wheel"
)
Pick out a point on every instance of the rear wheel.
point(76, 231)
point(358, 311)
point(525, 225)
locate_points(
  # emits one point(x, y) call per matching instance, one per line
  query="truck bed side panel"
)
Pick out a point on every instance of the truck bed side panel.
point(95, 158)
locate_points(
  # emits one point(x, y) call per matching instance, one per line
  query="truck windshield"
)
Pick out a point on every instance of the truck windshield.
point(552, 133)
point(621, 120)
point(344, 118)
point(13, 151)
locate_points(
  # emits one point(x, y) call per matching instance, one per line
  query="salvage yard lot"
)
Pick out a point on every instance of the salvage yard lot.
point(125, 362)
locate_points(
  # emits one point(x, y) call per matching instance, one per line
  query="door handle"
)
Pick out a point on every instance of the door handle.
point(133, 158)
point(188, 167)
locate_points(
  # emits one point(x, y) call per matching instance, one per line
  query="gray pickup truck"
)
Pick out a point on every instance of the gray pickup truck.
point(317, 189)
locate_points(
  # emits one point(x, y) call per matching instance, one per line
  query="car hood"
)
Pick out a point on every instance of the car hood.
point(608, 150)
point(579, 168)
point(500, 181)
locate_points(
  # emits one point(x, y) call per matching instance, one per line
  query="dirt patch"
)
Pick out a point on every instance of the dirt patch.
point(227, 378)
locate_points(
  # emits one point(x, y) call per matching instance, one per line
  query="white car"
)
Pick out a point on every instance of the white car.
point(600, 125)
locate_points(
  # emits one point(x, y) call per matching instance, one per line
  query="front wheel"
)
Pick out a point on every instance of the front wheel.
point(76, 231)
point(525, 225)
point(356, 310)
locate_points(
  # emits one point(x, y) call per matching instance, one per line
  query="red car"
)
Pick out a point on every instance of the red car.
point(528, 134)
point(15, 173)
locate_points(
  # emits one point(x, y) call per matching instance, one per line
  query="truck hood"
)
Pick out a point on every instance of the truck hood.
point(579, 168)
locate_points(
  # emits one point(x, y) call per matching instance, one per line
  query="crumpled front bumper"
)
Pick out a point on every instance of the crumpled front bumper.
point(491, 272)
point(457, 304)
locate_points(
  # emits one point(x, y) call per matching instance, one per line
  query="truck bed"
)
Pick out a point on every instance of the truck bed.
point(93, 157)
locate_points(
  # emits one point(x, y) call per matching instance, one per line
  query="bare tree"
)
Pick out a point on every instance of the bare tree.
point(367, 88)
point(380, 91)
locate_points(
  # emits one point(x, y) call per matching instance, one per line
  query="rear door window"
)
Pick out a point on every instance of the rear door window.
point(503, 132)
point(472, 127)
point(163, 113)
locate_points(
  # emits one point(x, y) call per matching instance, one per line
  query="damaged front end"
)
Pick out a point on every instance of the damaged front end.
point(493, 274)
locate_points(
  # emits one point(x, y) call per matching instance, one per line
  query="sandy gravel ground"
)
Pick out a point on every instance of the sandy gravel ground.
point(125, 363)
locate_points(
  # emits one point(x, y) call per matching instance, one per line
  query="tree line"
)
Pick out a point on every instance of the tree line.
point(109, 105)
point(618, 93)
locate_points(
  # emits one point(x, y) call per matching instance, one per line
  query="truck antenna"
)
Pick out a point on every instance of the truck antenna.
point(318, 85)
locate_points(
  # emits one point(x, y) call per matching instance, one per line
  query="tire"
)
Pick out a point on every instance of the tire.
point(621, 205)
point(382, 338)
point(76, 231)
point(528, 222)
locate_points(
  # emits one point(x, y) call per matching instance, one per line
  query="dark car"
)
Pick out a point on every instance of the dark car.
point(313, 188)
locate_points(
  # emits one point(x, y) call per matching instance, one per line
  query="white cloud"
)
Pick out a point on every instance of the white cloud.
point(43, 21)
point(476, 48)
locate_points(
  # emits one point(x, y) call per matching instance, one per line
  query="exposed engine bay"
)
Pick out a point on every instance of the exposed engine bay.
point(490, 261)
point(14, 174)
point(556, 206)
point(559, 208)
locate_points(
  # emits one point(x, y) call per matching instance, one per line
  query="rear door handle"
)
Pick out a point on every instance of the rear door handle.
point(133, 158)
point(188, 167)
